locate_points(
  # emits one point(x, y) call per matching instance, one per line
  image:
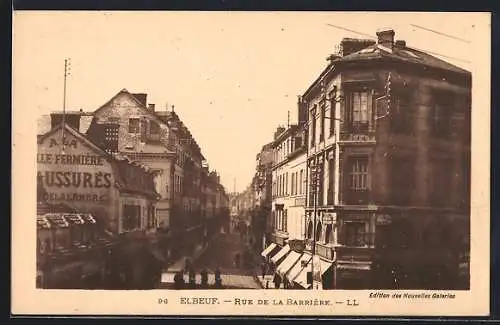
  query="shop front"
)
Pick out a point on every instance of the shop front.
point(108, 195)
point(74, 172)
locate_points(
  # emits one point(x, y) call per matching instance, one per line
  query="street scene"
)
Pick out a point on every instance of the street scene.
point(203, 162)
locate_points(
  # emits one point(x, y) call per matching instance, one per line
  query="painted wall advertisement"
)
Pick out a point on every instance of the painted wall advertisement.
point(73, 174)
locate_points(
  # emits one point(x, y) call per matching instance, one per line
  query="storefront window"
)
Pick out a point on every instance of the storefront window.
point(131, 217)
point(355, 234)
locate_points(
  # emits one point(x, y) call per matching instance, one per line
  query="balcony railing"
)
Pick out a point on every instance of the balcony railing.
point(346, 253)
point(357, 197)
point(357, 240)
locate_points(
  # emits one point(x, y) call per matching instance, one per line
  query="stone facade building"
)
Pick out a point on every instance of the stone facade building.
point(389, 140)
point(289, 184)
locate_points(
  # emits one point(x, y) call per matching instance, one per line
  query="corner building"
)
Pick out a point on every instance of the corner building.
point(389, 136)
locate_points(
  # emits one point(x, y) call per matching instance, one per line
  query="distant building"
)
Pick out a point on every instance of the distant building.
point(289, 184)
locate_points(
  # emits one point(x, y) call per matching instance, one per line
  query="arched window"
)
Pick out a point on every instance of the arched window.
point(309, 230)
point(328, 234)
point(318, 231)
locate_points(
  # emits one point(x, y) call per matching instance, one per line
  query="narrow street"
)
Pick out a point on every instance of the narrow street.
point(221, 254)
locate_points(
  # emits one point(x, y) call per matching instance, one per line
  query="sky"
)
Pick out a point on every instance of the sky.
point(232, 76)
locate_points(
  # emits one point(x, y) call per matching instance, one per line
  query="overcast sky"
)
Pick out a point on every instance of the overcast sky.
point(231, 76)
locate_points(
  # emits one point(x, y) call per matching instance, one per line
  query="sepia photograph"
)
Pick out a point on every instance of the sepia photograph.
point(305, 154)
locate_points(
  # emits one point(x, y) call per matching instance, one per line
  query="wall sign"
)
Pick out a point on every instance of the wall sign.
point(329, 218)
point(77, 174)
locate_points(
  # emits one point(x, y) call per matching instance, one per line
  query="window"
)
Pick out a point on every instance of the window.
point(133, 125)
point(441, 177)
point(441, 116)
point(401, 115)
point(312, 187)
point(321, 186)
point(358, 175)
point(313, 131)
point(143, 131)
point(322, 123)
point(328, 234)
point(357, 181)
point(331, 180)
point(403, 179)
point(318, 232)
point(309, 230)
point(292, 192)
point(359, 111)
point(332, 95)
point(296, 183)
point(300, 180)
point(355, 234)
point(154, 128)
point(285, 220)
point(286, 185)
point(131, 217)
point(360, 107)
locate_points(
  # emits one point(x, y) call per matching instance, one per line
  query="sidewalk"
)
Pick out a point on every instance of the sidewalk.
point(198, 252)
point(267, 282)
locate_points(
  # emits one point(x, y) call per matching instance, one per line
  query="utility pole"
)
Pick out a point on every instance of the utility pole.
point(316, 178)
point(67, 70)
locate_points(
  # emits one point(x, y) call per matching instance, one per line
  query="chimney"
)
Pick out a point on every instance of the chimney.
point(279, 130)
point(151, 108)
point(142, 98)
point(302, 111)
point(386, 38)
point(400, 44)
point(352, 45)
point(332, 58)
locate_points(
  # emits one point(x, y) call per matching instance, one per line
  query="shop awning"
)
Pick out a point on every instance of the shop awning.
point(288, 263)
point(74, 219)
point(56, 220)
point(354, 266)
point(324, 266)
point(268, 250)
point(295, 270)
point(42, 223)
point(63, 220)
point(87, 217)
point(275, 259)
point(301, 278)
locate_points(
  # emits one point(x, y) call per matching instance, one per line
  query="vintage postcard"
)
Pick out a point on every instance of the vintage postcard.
point(251, 163)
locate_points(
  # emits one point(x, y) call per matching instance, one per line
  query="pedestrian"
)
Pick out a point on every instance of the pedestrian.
point(187, 265)
point(179, 280)
point(277, 281)
point(204, 278)
point(192, 278)
point(218, 280)
point(237, 260)
point(263, 269)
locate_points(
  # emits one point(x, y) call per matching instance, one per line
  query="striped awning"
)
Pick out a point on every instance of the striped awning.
point(301, 264)
point(288, 263)
point(275, 259)
point(75, 219)
point(57, 220)
point(268, 249)
point(63, 220)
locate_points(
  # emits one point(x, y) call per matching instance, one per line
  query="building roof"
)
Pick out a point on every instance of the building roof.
point(118, 163)
point(290, 131)
point(77, 135)
point(403, 54)
point(399, 53)
point(135, 99)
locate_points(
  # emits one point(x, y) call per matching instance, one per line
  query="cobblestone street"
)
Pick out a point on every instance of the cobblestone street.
point(221, 254)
